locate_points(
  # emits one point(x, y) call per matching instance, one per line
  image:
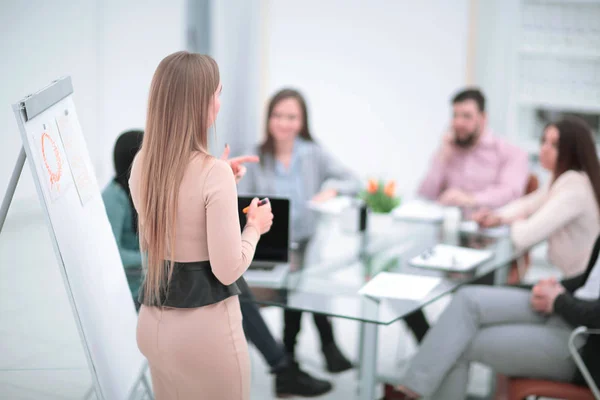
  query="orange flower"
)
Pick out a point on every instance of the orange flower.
point(390, 189)
point(372, 186)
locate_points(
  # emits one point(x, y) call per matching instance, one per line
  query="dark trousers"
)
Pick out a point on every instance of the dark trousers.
point(291, 327)
point(292, 319)
point(256, 329)
point(417, 322)
point(485, 280)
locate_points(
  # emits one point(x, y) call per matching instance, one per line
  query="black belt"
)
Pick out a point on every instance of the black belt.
point(192, 285)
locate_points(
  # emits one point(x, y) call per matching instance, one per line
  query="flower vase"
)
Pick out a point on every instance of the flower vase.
point(379, 223)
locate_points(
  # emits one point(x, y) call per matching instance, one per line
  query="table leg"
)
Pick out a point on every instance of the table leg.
point(501, 275)
point(368, 361)
point(361, 334)
point(90, 393)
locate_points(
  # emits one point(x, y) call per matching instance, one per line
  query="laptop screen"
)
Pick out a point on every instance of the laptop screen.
point(274, 245)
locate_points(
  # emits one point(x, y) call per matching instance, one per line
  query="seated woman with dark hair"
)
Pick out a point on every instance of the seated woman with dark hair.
point(120, 211)
point(566, 211)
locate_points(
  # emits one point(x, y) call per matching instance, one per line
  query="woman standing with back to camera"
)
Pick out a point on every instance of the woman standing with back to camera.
point(190, 324)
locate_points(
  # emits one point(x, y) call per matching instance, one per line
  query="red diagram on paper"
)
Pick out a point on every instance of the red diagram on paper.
point(52, 160)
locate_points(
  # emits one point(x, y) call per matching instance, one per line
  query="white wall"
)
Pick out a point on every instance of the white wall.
point(378, 76)
point(137, 35)
point(495, 61)
point(236, 46)
point(110, 49)
point(40, 42)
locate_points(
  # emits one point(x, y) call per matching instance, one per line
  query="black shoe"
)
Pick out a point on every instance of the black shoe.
point(336, 361)
point(292, 381)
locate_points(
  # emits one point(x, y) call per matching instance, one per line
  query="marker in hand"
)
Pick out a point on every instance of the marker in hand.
point(260, 203)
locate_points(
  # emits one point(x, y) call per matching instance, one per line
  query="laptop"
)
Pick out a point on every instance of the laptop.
point(273, 247)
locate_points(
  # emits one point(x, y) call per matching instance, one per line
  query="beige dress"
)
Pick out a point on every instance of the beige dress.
point(201, 353)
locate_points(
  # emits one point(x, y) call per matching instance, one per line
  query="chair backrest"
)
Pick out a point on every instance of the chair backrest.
point(521, 388)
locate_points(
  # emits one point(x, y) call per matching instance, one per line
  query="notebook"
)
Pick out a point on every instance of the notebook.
point(451, 258)
point(399, 286)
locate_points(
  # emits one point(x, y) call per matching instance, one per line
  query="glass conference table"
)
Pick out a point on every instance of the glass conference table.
point(326, 279)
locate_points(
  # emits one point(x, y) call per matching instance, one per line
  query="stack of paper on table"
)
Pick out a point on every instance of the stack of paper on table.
point(399, 286)
point(333, 206)
point(420, 210)
point(451, 258)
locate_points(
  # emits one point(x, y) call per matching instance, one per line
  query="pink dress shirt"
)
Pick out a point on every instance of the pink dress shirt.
point(494, 172)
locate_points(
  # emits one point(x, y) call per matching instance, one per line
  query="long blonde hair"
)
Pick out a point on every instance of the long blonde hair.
point(182, 89)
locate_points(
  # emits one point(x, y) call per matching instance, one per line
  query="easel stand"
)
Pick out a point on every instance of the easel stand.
point(26, 110)
point(12, 187)
point(6, 201)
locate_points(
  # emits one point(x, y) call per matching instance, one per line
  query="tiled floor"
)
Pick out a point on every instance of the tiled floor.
point(41, 356)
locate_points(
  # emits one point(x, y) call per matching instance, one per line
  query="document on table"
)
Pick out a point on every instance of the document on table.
point(333, 206)
point(399, 286)
point(451, 258)
point(420, 210)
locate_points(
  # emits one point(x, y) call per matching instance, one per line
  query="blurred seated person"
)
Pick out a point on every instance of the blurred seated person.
point(566, 210)
point(473, 168)
point(516, 331)
point(290, 380)
point(293, 165)
point(120, 211)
